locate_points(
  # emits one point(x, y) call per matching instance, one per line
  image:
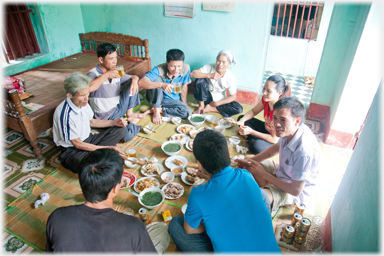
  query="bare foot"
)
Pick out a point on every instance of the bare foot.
point(199, 110)
point(156, 119)
point(209, 108)
point(133, 120)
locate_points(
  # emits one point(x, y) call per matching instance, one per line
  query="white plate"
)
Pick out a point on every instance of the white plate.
point(205, 128)
point(181, 126)
point(166, 185)
point(209, 118)
point(169, 162)
point(158, 166)
point(184, 208)
point(188, 147)
point(158, 183)
point(184, 174)
point(221, 122)
point(187, 138)
point(128, 164)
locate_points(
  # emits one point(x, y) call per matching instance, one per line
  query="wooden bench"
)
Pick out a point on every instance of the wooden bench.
point(45, 82)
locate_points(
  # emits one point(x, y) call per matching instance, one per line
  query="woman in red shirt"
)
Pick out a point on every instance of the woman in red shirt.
point(261, 135)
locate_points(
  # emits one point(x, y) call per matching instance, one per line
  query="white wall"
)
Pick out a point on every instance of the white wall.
point(298, 56)
point(364, 76)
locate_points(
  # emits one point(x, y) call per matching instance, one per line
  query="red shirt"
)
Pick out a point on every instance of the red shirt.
point(268, 116)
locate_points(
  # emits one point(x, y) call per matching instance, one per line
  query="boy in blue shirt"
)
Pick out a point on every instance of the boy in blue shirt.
point(229, 213)
point(160, 82)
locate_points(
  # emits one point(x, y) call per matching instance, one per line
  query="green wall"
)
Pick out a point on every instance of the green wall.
point(355, 210)
point(58, 36)
point(201, 38)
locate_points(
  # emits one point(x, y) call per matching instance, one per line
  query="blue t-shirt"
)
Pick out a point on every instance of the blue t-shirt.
point(233, 212)
point(162, 71)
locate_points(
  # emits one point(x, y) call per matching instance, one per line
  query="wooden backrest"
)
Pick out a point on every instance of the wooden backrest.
point(10, 100)
point(128, 46)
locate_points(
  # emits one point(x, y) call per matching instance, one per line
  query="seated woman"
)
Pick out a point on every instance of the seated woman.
point(213, 81)
point(261, 135)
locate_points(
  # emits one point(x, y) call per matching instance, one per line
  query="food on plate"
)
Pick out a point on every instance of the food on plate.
point(180, 138)
point(151, 198)
point(141, 162)
point(145, 183)
point(173, 190)
point(177, 170)
point(227, 122)
point(124, 184)
point(191, 144)
point(178, 162)
point(172, 147)
point(186, 129)
point(191, 176)
point(197, 119)
point(205, 128)
point(151, 169)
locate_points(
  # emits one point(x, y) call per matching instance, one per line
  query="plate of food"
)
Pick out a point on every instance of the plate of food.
point(176, 161)
point(128, 180)
point(185, 128)
point(205, 128)
point(189, 145)
point(189, 177)
point(227, 122)
point(146, 182)
point(173, 190)
point(180, 137)
point(151, 170)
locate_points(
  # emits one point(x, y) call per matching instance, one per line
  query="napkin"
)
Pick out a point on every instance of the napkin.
point(166, 119)
point(241, 149)
point(44, 198)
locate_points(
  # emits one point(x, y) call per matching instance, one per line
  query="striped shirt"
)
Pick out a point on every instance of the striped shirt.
point(104, 100)
point(71, 122)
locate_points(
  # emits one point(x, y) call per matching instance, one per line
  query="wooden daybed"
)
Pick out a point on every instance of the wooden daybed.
point(46, 82)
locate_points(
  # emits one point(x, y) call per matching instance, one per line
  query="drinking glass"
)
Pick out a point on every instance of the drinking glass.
point(131, 151)
point(120, 70)
point(177, 87)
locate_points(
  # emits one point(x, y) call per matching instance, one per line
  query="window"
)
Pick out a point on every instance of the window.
point(297, 19)
point(19, 38)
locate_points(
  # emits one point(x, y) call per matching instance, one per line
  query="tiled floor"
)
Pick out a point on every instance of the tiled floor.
point(298, 89)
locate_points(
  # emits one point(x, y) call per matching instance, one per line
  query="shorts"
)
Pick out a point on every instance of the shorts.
point(280, 198)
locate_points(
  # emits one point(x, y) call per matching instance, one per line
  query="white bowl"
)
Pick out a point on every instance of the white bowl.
point(129, 164)
point(193, 133)
point(167, 177)
point(171, 142)
point(234, 140)
point(151, 190)
point(176, 120)
point(196, 123)
point(220, 128)
point(148, 129)
point(178, 167)
point(184, 208)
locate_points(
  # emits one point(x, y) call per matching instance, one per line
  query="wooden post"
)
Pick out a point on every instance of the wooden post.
point(26, 124)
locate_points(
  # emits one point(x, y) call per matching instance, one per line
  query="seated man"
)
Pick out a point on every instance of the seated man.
point(222, 216)
point(161, 93)
point(107, 101)
point(71, 125)
point(94, 226)
point(294, 179)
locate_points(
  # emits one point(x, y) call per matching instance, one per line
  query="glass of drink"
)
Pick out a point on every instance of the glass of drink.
point(131, 152)
point(177, 87)
point(120, 70)
point(215, 121)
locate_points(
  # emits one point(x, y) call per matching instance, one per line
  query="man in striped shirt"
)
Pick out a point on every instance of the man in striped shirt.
point(72, 122)
point(106, 99)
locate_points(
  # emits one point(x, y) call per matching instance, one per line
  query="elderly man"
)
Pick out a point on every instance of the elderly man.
point(160, 82)
point(72, 122)
point(294, 178)
point(94, 226)
point(229, 213)
point(113, 96)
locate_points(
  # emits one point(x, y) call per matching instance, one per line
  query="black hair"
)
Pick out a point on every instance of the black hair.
point(211, 150)
point(294, 105)
point(175, 54)
point(104, 49)
point(101, 170)
point(281, 85)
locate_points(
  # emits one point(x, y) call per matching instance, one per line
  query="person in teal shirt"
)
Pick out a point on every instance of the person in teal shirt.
point(227, 214)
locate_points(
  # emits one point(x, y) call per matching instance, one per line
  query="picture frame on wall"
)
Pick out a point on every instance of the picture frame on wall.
point(219, 6)
point(179, 9)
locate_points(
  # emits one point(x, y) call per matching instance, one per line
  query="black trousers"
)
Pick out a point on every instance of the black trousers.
point(71, 157)
point(202, 93)
point(255, 144)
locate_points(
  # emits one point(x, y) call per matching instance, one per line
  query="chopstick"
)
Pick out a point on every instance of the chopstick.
point(235, 138)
